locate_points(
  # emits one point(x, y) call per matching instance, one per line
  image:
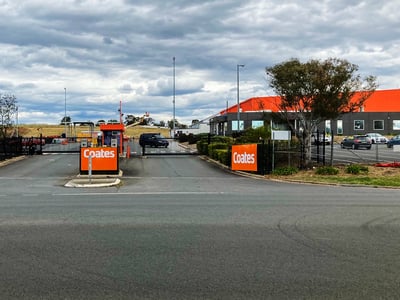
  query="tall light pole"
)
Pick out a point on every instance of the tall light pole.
point(173, 97)
point(238, 104)
point(65, 111)
point(16, 119)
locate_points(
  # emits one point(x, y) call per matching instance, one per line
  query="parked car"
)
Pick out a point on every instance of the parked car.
point(377, 138)
point(153, 140)
point(393, 141)
point(356, 142)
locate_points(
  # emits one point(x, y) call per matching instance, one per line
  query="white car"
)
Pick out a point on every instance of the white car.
point(377, 138)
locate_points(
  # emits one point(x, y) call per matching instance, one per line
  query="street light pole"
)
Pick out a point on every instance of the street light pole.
point(238, 104)
point(65, 111)
point(17, 120)
point(173, 99)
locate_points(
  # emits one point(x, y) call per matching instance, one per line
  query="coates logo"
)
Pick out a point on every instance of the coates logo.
point(244, 157)
point(98, 153)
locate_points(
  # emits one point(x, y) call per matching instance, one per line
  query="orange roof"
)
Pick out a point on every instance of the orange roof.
point(383, 101)
point(380, 101)
point(269, 103)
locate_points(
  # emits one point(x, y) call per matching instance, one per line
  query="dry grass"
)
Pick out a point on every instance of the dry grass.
point(376, 176)
point(57, 130)
point(372, 171)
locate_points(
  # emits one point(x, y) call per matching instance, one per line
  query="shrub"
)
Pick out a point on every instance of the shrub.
point(221, 139)
point(212, 149)
point(182, 138)
point(202, 147)
point(222, 155)
point(253, 135)
point(356, 169)
point(193, 139)
point(327, 170)
point(285, 171)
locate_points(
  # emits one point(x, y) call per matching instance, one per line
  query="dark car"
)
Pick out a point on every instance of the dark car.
point(356, 142)
point(393, 141)
point(153, 140)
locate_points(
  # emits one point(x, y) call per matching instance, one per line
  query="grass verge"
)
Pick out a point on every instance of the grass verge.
point(376, 177)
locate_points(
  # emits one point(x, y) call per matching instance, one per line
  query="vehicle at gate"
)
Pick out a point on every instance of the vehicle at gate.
point(393, 141)
point(356, 142)
point(377, 138)
point(153, 140)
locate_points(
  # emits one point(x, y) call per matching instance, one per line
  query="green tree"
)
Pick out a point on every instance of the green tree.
point(317, 91)
point(130, 119)
point(177, 124)
point(255, 135)
point(8, 109)
point(65, 120)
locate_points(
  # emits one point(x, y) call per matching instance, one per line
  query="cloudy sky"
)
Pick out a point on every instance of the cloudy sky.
point(100, 52)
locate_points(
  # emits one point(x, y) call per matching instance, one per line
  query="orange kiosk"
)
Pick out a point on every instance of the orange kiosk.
point(103, 159)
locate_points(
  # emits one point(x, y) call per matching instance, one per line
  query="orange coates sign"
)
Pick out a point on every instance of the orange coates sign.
point(103, 159)
point(244, 157)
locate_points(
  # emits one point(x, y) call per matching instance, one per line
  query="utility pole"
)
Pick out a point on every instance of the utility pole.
point(173, 97)
point(238, 103)
point(65, 111)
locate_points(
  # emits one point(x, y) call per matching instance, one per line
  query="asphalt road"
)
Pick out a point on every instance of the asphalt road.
point(180, 228)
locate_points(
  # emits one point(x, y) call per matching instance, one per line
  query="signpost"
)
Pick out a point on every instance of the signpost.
point(279, 135)
point(90, 168)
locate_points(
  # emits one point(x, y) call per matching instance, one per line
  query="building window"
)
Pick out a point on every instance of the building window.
point(235, 125)
point(339, 125)
point(358, 124)
point(328, 126)
point(378, 125)
point(257, 123)
point(396, 124)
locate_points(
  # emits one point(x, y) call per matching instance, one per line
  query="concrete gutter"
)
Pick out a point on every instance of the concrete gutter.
point(12, 160)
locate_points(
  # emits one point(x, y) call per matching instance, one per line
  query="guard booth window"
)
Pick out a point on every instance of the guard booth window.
point(111, 135)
